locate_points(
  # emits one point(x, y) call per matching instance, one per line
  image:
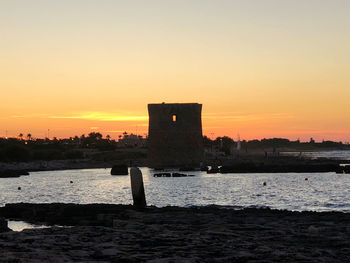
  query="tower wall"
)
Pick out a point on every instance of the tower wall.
point(175, 135)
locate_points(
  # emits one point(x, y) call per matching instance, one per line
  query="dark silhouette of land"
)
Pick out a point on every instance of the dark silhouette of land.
point(119, 233)
point(96, 148)
point(18, 155)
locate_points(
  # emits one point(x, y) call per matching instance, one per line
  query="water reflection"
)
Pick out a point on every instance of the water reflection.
point(21, 225)
point(322, 192)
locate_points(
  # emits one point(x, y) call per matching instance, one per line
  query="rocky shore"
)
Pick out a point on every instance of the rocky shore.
point(119, 233)
point(16, 169)
point(281, 164)
point(13, 173)
point(244, 164)
point(311, 167)
point(53, 165)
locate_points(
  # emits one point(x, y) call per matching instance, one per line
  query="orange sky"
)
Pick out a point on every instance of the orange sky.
point(260, 68)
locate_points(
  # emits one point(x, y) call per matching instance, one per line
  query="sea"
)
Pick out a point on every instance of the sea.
point(290, 191)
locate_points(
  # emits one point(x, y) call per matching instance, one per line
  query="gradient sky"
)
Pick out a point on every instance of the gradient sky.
point(260, 68)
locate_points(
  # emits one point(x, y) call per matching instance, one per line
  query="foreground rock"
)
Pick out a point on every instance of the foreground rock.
point(3, 225)
point(116, 233)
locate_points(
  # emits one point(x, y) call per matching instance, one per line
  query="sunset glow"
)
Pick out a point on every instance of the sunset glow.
point(261, 69)
point(98, 116)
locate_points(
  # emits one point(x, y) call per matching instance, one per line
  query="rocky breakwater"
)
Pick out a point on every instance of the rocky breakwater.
point(117, 233)
point(172, 175)
point(3, 225)
point(12, 173)
point(344, 169)
point(279, 166)
point(53, 165)
point(119, 170)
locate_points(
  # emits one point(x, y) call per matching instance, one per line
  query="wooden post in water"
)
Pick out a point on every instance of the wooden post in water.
point(137, 189)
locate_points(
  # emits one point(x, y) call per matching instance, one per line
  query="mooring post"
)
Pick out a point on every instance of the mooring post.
point(137, 189)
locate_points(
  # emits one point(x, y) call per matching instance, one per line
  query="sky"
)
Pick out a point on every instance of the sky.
point(261, 68)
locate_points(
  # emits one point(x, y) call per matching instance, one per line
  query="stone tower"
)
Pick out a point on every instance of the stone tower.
point(175, 135)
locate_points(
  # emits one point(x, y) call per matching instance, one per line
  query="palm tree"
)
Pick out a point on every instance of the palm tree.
point(20, 136)
point(95, 136)
point(125, 135)
point(29, 136)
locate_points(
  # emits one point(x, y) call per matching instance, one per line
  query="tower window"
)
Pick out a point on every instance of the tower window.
point(174, 117)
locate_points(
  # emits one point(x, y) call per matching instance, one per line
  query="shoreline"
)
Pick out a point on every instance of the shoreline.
point(110, 233)
point(280, 165)
point(55, 165)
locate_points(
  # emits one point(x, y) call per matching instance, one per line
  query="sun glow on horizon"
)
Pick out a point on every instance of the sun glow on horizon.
point(101, 116)
point(262, 69)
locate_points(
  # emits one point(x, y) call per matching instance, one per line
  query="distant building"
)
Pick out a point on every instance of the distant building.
point(213, 152)
point(175, 135)
point(131, 141)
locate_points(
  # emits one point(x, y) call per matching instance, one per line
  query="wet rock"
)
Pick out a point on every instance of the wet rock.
point(162, 175)
point(172, 175)
point(340, 170)
point(3, 225)
point(312, 230)
point(108, 252)
point(175, 234)
point(204, 168)
point(213, 170)
point(12, 173)
point(119, 170)
point(347, 169)
point(296, 167)
point(179, 175)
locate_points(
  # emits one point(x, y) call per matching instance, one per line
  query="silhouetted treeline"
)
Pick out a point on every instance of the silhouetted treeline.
point(94, 146)
point(12, 150)
point(227, 145)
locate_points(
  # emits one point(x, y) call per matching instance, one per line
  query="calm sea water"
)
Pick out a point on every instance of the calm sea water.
point(321, 192)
